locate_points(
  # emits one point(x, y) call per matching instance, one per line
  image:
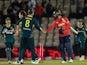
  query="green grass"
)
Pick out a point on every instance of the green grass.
point(49, 62)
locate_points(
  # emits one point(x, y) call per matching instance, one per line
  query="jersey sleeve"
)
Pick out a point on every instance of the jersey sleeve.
point(67, 23)
point(19, 21)
point(13, 29)
point(52, 26)
point(13, 26)
point(37, 26)
point(85, 29)
point(75, 27)
point(2, 30)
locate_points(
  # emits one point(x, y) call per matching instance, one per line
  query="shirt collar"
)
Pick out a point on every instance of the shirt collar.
point(30, 16)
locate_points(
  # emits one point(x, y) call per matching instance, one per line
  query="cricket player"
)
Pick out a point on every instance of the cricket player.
point(27, 37)
point(63, 25)
point(8, 31)
point(80, 38)
point(21, 14)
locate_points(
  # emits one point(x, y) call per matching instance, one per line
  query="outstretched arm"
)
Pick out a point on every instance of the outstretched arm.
point(73, 30)
point(42, 30)
point(51, 27)
point(37, 26)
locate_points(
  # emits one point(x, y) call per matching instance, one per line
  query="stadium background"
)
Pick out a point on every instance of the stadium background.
point(72, 9)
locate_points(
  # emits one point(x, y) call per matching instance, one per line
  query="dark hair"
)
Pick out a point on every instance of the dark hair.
point(23, 12)
point(8, 18)
point(58, 13)
point(80, 20)
point(30, 10)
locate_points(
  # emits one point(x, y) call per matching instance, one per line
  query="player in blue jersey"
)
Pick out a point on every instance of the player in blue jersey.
point(8, 34)
point(27, 37)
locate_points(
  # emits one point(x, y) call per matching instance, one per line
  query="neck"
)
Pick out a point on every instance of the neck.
point(30, 15)
point(8, 25)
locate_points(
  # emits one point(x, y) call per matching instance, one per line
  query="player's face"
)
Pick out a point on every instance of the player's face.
point(20, 15)
point(59, 16)
point(79, 24)
point(8, 21)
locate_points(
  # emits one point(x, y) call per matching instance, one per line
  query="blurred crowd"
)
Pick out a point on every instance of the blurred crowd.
point(43, 9)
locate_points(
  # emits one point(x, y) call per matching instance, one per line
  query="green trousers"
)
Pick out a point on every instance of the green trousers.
point(27, 43)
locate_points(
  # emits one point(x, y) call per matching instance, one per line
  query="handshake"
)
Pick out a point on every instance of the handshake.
point(61, 31)
point(44, 31)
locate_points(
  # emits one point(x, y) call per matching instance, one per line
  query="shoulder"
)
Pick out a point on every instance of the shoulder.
point(56, 20)
point(84, 27)
point(34, 20)
point(75, 26)
point(4, 26)
point(12, 25)
point(24, 17)
point(67, 19)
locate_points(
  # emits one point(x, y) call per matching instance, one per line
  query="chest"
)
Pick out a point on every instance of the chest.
point(9, 28)
point(80, 29)
point(62, 24)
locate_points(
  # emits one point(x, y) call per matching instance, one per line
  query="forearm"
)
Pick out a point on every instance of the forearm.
point(73, 30)
point(17, 30)
point(51, 28)
point(42, 30)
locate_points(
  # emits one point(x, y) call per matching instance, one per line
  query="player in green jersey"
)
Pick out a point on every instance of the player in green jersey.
point(8, 34)
point(80, 38)
point(27, 37)
point(21, 14)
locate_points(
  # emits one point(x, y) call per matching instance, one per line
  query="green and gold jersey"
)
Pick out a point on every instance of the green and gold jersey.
point(26, 26)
